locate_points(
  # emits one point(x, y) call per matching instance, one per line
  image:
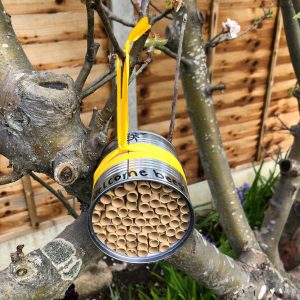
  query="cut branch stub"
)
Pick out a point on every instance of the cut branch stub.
point(289, 167)
point(65, 173)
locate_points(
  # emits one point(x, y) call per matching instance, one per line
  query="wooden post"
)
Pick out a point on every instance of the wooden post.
point(30, 203)
point(213, 25)
point(125, 10)
point(270, 82)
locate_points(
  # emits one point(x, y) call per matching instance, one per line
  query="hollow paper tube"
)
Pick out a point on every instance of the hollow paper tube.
point(148, 214)
point(175, 195)
point(167, 189)
point(145, 198)
point(170, 232)
point(184, 209)
point(161, 228)
point(172, 239)
point(155, 196)
point(106, 199)
point(104, 221)
point(98, 228)
point(165, 198)
point(121, 250)
point(131, 244)
point(155, 220)
point(153, 243)
point(143, 207)
point(142, 246)
point(127, 221)
point(140, 221)
point(111, 245)
point(161, 210)
point(130, 186)
point(111, 212)
point(122, 212)
point(121, 230)
point(181, 202)
point(147, 229)
point(96, 216)
point(101, 236)
point(133, 213)
point(120, 191)
point(131, 205)
point(131, 252)
point(112, 237)
point(184, 225)
point(174, 223)
point(153, 235)
point(172, 205)
point(153, 249)
point(134, 229)
point(165, 219)
point(130, 236)
point(111, 228)
point(142, 253)
point(110, 193)
point(185, 217)
point(164, 246)
point(155, 185)
point(116, 221)
point(175, 212)
point(142, 237)
point(162, 238)
point(121, 242)
point(99, 206)
point(117, 202)
point(132, 196)
point(143, 188)
point(179, 234)
point(154, 203)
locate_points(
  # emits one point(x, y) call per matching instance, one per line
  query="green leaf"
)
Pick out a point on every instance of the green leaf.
point(297, 16)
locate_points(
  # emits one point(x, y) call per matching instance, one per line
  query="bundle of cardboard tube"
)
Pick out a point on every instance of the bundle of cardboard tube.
point(140, 218)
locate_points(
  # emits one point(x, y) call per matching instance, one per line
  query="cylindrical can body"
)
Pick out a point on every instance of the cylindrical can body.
point(154, 186)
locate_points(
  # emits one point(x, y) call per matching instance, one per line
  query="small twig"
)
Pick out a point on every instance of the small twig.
point(281, 122)
point(57, 194)
point(144, 65)
point(135, 7)
point(158, 10)
point(161, 16)
point(9, 178)
point(91, 50)
point(210, 89)
point(225, 36)
point(175, 97)
point(108, 29)
point(116, 18)
point(172, 54)
point(106, 77)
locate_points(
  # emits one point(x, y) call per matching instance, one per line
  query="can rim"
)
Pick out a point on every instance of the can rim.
point(143, 259)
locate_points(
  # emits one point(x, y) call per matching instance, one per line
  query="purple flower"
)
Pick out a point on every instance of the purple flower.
point(242, 190)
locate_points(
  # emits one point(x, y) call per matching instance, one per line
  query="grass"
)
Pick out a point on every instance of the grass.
point(170, 284)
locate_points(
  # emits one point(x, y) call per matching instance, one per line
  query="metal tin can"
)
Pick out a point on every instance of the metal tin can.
point(142, 170)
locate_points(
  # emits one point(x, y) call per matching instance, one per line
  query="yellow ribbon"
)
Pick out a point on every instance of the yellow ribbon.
point(133, 151)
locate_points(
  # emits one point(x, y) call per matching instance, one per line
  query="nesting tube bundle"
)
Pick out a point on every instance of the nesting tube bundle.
point(140, 209)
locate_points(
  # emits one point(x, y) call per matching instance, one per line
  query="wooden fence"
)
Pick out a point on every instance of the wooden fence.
point(256, 70)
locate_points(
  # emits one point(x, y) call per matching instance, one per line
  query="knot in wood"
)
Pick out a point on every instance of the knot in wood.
point(65, 173)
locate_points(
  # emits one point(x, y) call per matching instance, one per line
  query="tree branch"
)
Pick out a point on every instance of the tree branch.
point(108, 29)
point(91, 50)
point(280, 205)
point(57, 194)
point(292, 32)
point(116, 18)
point(175, 96)
point(47, 273)
point(158, 10)
point(201, 109)
point(205, 264)
point(9, 178)
point(161, 16)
